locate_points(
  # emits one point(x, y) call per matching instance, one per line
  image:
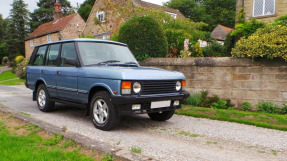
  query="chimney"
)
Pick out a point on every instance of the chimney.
point(58, 11)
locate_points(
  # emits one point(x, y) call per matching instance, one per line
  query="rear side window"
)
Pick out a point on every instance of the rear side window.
point(52, 55)
point(68, 52)
point(39, 58)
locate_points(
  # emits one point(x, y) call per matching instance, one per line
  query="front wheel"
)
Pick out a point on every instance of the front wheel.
point(103, 113)
point(163, 116)
point(43, 99)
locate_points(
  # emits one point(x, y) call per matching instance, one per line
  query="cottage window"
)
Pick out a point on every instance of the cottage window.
point(31, 42)
point(49, 38)
point(101, 16)
point(263, 8)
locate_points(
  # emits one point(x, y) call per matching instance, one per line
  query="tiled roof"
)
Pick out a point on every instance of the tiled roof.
point(226, 29)
point(52, 26)
point(150, 5)
point(167, 9)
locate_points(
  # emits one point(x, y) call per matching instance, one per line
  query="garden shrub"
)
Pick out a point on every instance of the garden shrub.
point(207, 101)
point(193, 99)
point(267, 107)
point(247, 28)
point(283, 110)
point(229, 43)
point(269, 42)
point(19, 59)
point(281, 21)
point(5, 60)
point(145, 37)
point(246, 106)
point(214, 50)
point(220, 104)
point(20, 70)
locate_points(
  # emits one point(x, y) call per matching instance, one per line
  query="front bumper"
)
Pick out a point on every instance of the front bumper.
point(124, 103)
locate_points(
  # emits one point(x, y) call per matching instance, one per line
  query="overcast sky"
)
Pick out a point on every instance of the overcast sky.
point(5, 5)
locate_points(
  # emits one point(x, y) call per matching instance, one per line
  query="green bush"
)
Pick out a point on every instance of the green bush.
point(246, 106)
point(220, 104)
point(207, 101)
point(19, 59)
point(214, 50)
point(247, 28)
point(193, 99)
point(20, 70)
point(229, 43)
point(284, 109)
point(5, 60)
point(269, 42)
point(268, 107)
point(281, 21)
point(145, 37)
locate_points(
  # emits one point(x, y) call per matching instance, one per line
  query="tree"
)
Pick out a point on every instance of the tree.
point(212, 12)
point(145, 37)
point(86, 8)
point(2, 38)
point(45, 12)
point(16, 29)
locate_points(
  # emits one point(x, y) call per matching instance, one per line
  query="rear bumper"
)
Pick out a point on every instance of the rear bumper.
point(124, 103)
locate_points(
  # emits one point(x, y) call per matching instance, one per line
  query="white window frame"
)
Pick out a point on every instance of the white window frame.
point(31, 42)
point(102, 13)
point(173, 15)
point(49, 37)
point(263, 12)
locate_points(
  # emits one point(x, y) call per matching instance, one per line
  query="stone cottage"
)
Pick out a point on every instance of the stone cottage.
point(263, 10)
point(105, 16)
point(61, 28)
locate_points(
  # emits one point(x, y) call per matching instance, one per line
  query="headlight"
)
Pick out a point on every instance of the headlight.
point(137, 87)
point(178, 85)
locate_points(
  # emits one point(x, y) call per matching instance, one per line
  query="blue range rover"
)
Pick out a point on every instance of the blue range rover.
point(104, 77)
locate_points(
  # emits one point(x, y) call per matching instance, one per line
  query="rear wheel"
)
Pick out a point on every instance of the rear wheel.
point(103, 113)
point(163, 116)
point(43, 99)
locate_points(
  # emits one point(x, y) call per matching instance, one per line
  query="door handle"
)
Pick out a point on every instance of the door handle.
point(58, 72)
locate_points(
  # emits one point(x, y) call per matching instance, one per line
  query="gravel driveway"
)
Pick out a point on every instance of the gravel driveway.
point(180, 138)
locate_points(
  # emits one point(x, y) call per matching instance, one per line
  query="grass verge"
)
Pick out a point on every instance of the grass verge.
point(271, 121)
point(9, 78)
point(23, 141)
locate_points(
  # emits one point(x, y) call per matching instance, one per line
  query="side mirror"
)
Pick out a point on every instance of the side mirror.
point(72, 62)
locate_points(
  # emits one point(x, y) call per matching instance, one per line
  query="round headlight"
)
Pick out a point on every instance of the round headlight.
point(178, 85)
point(137, 87)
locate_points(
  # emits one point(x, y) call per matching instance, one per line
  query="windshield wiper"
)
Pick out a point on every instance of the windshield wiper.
point(131, 63)
point(109, 61)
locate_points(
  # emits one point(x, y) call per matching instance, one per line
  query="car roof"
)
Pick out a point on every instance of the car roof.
point(84, 40)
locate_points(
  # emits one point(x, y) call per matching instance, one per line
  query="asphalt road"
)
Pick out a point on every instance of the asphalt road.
point(170, 140)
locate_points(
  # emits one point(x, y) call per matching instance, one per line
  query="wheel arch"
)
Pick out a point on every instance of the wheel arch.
point(38, 82)
point(96, 89)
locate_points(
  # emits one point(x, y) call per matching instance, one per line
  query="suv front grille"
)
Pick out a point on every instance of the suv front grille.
point(158, 87)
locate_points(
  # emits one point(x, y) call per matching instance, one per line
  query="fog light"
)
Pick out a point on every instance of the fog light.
point(176, 103)
point(136, 107)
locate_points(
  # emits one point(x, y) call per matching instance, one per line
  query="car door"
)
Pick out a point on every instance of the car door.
point(49, 71)
point(67, 75)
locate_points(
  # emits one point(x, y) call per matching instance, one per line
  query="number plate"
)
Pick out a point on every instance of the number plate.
point(160, 104)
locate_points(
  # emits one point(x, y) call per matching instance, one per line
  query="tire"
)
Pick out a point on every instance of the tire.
point(103, 112)
point(43, 99)
point(166, 115)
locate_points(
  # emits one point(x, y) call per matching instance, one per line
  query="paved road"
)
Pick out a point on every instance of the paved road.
point(162, 141)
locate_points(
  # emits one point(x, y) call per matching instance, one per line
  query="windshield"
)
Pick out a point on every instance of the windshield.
point(102, 53)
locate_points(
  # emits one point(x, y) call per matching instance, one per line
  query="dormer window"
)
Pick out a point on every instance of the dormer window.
point(101, 16)
point(263, 8)
point(173, 15)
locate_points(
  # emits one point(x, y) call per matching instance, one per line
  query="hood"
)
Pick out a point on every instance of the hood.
point(129, 73)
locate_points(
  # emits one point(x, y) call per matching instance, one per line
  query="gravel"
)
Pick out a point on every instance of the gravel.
point(180, 138)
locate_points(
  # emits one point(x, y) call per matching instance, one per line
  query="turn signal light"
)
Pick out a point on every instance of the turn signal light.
point(183, 83)
point(126, 85)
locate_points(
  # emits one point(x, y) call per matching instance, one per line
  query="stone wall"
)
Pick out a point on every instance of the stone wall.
point(280, 10)
point(237, 79)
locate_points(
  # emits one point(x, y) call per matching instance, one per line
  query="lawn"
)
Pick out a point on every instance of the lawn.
point(272, 121)
point(23, 141)
point(9, 78)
